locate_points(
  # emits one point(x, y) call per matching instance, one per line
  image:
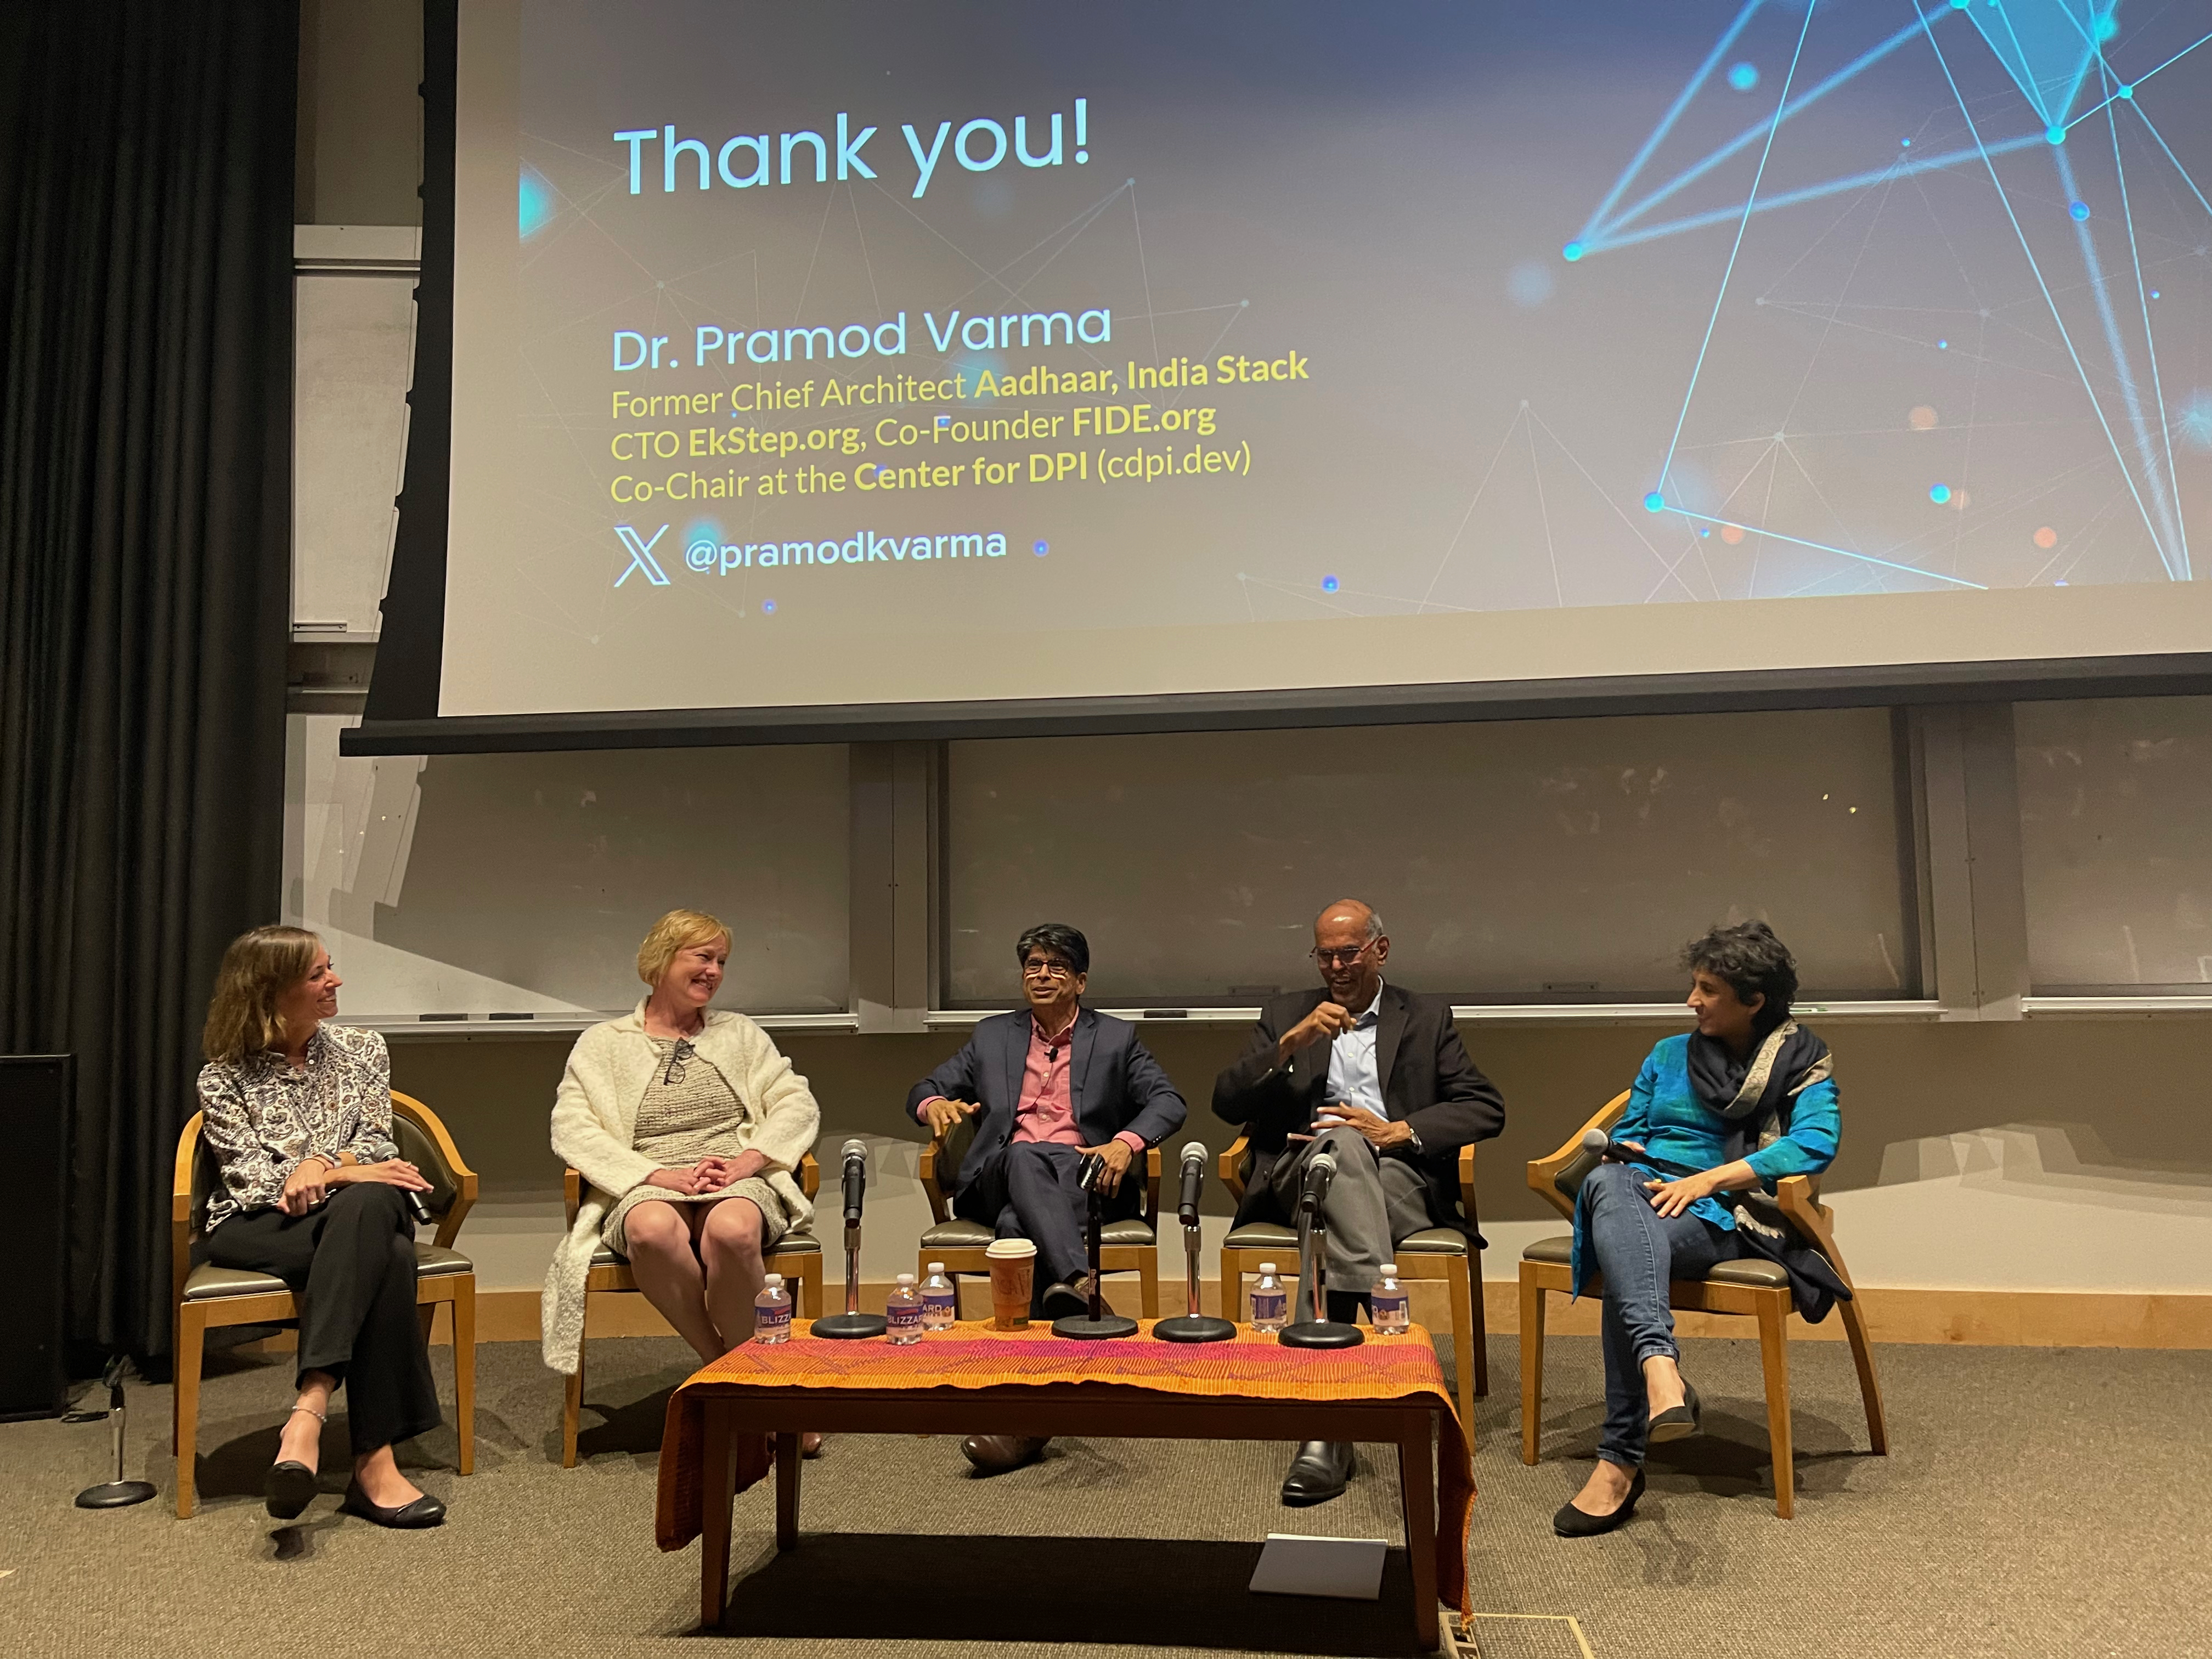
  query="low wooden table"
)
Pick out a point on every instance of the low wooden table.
point(975, 1381)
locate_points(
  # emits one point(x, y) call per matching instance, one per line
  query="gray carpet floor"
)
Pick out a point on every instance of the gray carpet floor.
point(2036, 1502)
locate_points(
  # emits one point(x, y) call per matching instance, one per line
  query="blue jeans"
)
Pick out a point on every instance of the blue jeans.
point(1639, 1251)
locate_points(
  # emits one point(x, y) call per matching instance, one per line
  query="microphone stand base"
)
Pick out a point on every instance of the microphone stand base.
point(850, 1326)
point(1192, 1327)
point(1321, 1333)
point(1084, 1327)
point(114, 1495)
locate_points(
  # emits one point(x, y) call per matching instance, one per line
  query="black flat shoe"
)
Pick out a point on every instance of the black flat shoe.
point(1678, 1422)
point(1069, 1299)
point(1572, 1523)
point(287, 1488)
point(424, 1511)
point(1318, 1473)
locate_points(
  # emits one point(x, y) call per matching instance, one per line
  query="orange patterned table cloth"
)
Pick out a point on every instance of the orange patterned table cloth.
point(973, 1356)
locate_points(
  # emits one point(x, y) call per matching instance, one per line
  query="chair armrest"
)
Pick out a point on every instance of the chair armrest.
point(1543, 1173)
point(929, 1154)
point(465, 1178)
point(1794, 1194)
point(180, 1209)
point(1232, 1163)
point(1467, 1181)
point(1152, 1185)
point(810, 1176)
point(572, 1193)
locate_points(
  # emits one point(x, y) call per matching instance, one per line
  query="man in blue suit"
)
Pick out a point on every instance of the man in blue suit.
point(1054, 1085)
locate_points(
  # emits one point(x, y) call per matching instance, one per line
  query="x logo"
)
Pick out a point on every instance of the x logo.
point(641, 557)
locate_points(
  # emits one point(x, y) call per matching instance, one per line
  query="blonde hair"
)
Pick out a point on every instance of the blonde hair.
point(679, 930)
point(258, 967)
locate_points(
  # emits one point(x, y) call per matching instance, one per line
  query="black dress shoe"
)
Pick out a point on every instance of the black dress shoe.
point(995, 1453)
point(1678, 1422)
point(1318, 1473)
point(1572, 1523)
point(1069, 1299)
point(287, 1488)
point(424, 1511)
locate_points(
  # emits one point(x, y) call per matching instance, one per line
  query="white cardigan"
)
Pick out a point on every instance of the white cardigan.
point(594, 1129)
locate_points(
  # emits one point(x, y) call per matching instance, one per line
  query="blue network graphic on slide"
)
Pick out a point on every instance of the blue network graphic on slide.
point(2073, 111)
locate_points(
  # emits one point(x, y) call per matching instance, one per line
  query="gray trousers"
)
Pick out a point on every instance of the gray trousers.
point(1373, 1203)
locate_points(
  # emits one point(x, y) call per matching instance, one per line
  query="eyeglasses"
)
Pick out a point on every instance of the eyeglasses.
point(1047, 971)
point(676, 1057)
point(1341, 958)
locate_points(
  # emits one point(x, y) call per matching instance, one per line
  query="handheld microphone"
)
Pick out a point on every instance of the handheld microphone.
point(1194, 1182)
point(1611, 1151)
point(417, 1207)
point(1093, 1169)
point(855, 1154)
point(1319, 1174)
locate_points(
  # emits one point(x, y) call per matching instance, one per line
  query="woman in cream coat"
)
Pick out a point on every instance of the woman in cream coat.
point(688, 1125)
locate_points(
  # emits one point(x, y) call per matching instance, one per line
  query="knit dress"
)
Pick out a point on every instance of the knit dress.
point(690, 1111)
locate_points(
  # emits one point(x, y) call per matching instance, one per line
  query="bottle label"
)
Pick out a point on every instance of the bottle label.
point(904, 1322)
point(940, 1307)
point(1270, 1307)
point(772, 1324)
point(1389, 1309)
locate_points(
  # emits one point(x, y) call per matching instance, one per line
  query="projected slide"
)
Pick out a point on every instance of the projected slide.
point(902, 353)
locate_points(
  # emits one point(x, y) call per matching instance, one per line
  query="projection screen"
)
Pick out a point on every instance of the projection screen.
point(889, 356)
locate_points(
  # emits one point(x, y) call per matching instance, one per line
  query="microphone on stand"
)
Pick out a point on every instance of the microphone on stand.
point(853, 1324)
point(1192, 1326)
point(855, 1154)
point(1193, 1182)
point(1095, 1322)
point(1317, 1330)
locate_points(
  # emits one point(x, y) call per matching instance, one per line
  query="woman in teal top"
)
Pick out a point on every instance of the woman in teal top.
point(1731, 1108)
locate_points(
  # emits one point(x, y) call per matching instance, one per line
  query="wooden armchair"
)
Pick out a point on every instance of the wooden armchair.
point(1750, 1285)
point(797, 1256)
point(208, 1297)
point(1131, 1245)
point(1433, 1253)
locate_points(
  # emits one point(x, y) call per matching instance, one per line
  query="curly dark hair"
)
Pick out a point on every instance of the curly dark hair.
point(1055, 938)
point(1754, 963)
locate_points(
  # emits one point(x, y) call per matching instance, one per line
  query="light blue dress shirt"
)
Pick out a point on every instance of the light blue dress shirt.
point(1351, 1071)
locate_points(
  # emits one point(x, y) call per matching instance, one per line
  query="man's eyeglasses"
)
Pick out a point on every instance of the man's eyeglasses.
point(1341, 958)
point(1054, 970)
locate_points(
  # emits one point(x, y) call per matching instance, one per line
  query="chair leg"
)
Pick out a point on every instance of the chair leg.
point(191, 1331)
point(1774, 1357)
point(1869, 1385)
point(465, 1368)
point(1532, 1362)
point(572, 1397)
point(810, 1289)
point(1233, 1287)
point(1148, 1283)
point(1464, 1338)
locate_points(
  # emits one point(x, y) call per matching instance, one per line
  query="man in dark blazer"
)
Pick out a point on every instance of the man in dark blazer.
point(1377, 1075)
point(1054, 1085)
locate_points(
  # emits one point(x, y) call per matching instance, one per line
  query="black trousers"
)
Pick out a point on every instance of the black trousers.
point(351, 1264)
point(1027, 1190)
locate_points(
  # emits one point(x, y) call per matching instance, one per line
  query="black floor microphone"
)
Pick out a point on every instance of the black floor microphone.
point(853, 1325)
point(1193, 1326)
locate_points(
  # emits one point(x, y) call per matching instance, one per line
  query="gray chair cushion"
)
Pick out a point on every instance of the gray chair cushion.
point(604, 1257)
point(1434, 1240)
point(1262, 1235)
point(435, 1261)
point(796, 1243)
point(208, 1283)
point(1744, 1270)
point(963, 1235)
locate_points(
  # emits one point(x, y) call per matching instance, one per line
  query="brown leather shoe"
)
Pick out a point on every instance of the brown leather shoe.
point(1070, 1298)
point(995, 1453)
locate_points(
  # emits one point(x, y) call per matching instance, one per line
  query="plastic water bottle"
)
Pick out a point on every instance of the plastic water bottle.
point(940, 1302)
point(1390, 1305)
point(772, 1311)
point(1271, 1300)
point(903, 1312)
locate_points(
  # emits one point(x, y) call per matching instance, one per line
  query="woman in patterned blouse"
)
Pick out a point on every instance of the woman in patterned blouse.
point(299, 1115)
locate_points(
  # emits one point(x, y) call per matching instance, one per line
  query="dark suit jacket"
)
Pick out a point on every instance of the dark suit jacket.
point(1115, 1083)
point(1428, 1083)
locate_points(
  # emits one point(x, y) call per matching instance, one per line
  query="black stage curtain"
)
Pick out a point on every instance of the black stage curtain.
point(146, 153)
